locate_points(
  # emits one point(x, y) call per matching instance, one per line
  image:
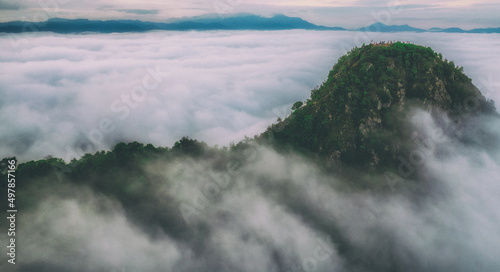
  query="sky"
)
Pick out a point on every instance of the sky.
point(349, 14)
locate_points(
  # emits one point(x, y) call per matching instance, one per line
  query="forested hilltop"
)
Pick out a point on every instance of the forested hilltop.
point(359, 115)
point(122, 174)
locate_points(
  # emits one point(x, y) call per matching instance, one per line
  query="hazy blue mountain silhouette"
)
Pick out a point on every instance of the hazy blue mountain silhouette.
point(380, 27)
point(242, 21)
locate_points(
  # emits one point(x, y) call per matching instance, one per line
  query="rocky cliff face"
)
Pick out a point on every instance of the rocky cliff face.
point(359, 114)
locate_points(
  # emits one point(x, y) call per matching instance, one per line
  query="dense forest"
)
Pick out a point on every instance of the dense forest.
point(359, 114)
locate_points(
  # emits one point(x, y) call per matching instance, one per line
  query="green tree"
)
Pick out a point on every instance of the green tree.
point(297, 105)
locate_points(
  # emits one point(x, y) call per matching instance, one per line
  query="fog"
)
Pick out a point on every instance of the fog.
point(278, 212)
point(66, 95)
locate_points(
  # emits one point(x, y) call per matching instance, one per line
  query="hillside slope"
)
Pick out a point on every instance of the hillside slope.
point(359, 114)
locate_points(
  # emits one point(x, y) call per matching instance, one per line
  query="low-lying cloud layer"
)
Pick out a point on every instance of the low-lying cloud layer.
point(65, 95)
point(278, 213)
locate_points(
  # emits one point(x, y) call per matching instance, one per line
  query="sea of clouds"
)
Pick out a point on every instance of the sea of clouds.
point(66, 95)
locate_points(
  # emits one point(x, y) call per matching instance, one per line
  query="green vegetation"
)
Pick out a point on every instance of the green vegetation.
point(356, 115)
point(123, 175)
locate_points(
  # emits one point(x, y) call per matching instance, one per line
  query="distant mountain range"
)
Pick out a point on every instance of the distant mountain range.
point(201, 23)
point(239, 22)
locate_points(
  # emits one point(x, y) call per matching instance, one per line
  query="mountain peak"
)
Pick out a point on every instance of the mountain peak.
point(380, 27)
point(359, 114)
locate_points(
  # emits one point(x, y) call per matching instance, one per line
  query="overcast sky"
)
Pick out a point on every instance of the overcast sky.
point(346, 13)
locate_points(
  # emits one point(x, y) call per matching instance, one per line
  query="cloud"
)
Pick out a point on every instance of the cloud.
point(8, 5)
point(94, 234)
point(66, 95)
point(278, 213)
point(209, 87)
point(140, 11)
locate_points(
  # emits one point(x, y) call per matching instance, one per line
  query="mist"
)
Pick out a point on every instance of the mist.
point(67, 95)
point(269, 211)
